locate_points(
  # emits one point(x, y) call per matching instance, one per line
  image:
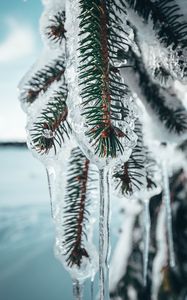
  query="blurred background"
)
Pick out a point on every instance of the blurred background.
point(28, 269)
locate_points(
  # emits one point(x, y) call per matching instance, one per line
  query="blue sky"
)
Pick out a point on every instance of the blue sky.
point(20, 45)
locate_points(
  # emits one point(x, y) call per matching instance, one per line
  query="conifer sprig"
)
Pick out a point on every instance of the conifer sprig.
point(76, 208)
point(102, 90)
point(51, 126)
point(55, 31)
point(167, 19)
point(174, 119)
point(131, 174)
point(42, 79)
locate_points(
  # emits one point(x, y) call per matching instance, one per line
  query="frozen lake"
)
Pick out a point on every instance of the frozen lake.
point(28, 269)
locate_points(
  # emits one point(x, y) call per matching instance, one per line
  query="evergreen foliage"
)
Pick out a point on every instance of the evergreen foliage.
point(167, 20)
point(102, 35)
point(76, 208)
point(174, 119)
point(51, 125)
point(42, 80)
point(130, 175)
point(55, 31)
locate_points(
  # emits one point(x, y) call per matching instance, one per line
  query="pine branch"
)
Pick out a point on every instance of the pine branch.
point(76, 208)
point(174, 118)
point(102, 88)
point(50, 127)
point(167, 20)
point(42, 80)
point(131, 175)
point(56, 31)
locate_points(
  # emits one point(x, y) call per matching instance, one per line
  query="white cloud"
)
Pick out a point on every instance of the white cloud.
point(19, 43)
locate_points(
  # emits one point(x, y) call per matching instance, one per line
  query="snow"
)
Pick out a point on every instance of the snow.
point(48, 14)
point(119, 262)
point(167, 203)
point(157, 130)
point(161, 256)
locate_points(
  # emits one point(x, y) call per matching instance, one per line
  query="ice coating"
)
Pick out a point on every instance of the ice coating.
point(92, 287)
point(144, 182)
point(166, 167)
point(74, 99)
point(146, 239)
point(156, 56)
point(158, 130)
point(34, 93)
point(51, 26)
point(125, 242)
point(50, 155)
point(78, 289)
point(141, 171)
point(167, 203)
point(57, 152)
point(50, 181)
point(161, 64)
point(104, 235)
point(161, 256)
point(89, 263)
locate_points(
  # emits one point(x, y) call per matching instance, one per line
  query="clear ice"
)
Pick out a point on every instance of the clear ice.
point(78, 289)
point(103, 238)
point(50, 190)
point(146, 240)
point(167, 203)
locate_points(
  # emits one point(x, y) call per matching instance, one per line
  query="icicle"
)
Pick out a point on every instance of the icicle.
point(104, 238)
point(50, 174)
point(167, 203)
point(147, 225)
point(78, 289)
point(108, 216)
point(92, 287)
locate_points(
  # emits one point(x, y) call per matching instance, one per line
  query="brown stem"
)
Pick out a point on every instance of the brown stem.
point(106, 99)
point(32, 94)
point(77, 251)
point(62, 117)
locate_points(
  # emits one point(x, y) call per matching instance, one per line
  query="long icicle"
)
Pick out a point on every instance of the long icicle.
point(167, 203)
point(78, 289)
point(103, 239)
point(147, 225)
point(92, 287)
point(50, 190)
